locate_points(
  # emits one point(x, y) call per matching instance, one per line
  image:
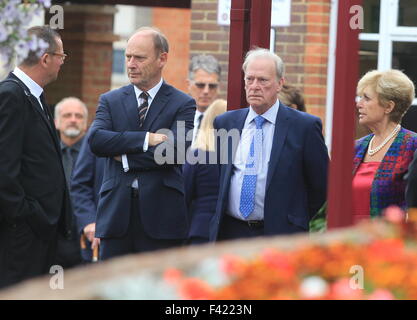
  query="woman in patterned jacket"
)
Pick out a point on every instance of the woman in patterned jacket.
point(382, 158)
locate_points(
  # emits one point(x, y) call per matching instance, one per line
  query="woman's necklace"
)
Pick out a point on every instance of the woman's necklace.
point(371, 151)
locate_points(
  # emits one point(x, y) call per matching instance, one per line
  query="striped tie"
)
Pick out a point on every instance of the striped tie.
point(143, 108)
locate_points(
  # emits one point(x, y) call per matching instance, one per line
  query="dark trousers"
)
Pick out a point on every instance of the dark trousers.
point(22, 254)
point(232, 228)
point(136, 240)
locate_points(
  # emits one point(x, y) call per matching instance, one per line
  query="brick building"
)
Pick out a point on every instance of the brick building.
point(303, 45)
point(388, 40)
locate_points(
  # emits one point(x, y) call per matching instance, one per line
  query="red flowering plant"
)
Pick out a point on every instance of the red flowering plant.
point(379, 267)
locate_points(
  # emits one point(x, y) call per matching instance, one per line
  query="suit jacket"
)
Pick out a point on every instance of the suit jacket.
point(86, 181)
point(201, 192)
point(115, 131)
point(32, 180)
point(388, 187)
point(411, 188)
point(297, 171)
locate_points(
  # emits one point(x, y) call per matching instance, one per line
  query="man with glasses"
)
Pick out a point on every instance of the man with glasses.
point(34, 198)
point(203, 84)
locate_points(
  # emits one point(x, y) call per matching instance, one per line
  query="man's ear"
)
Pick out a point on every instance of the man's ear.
point(44, 59)
point(163, 57)
point(281, 84)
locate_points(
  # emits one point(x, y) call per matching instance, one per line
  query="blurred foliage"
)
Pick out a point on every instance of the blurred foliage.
point(319, 222)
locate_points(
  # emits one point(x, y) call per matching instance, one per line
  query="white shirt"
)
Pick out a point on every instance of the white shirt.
point(151, 96)
point(196, 123)
point(239, 163)
point(35, 89)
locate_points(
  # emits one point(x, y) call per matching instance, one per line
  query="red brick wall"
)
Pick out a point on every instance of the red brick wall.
point(303, 46)
point(88, 41)
point(175, 24)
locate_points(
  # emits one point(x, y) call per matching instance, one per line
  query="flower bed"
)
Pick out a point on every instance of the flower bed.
point(363, 264)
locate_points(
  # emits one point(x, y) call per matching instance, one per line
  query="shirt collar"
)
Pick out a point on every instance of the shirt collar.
point(76, 146)
point(151, 92)
point(270, 115)
point(34, 88)
point(197, 115)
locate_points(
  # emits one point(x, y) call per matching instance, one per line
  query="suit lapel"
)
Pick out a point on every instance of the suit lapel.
point(157, 105)
point(35, 104)
point(280, 133)
point(238, 123)
point(130, 104)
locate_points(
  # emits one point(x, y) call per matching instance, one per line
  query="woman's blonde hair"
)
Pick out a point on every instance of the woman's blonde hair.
point(390, 85)
point(205, 136)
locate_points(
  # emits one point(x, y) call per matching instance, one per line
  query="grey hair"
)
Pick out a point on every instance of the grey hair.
point(265, 53)
point(207, 63)
point(159, 39)
point(68, 99)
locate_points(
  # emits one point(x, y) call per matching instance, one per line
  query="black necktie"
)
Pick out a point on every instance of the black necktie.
point(143, 108)
point(200, 117)
point(45, 106)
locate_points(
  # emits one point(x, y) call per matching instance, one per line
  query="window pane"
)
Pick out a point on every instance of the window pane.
point(407, 13)
point(368, 56)
point(118, 61)
point(371, 9)
point(404, 58)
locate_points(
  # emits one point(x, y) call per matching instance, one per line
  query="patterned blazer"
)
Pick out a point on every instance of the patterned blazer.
point(388, 187)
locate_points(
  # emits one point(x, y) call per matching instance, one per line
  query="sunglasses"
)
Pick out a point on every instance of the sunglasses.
point(202, 85)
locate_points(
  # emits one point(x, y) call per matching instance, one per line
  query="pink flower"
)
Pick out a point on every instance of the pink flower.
point(342, 290)
point(172, 276)
point(232, 265)
point(381, 294)
point(394, 214)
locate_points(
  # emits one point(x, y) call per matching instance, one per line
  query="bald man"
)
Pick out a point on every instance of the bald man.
point(141, 205)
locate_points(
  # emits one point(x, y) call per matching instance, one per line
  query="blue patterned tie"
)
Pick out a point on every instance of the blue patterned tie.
point(247, 195)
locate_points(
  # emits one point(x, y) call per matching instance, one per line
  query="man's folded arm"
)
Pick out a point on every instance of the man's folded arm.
point(105, 142)
point(171, 152)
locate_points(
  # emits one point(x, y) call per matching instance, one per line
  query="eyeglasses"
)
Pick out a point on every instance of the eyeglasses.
point(62, 55)
point(202, 85)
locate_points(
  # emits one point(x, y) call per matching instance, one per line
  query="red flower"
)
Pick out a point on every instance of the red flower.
point(195, 289)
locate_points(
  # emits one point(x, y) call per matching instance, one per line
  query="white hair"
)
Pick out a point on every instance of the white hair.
point(265, 53)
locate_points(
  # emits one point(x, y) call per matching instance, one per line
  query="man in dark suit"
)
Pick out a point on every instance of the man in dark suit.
point(274, 180)
point(86, 181)
point(34, 200)
point(71, 116)
point(141, 205)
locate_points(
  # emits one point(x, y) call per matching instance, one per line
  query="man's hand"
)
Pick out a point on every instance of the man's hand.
point(89, 231)
point(118, 158)
point(156, 138)
point(95, 243)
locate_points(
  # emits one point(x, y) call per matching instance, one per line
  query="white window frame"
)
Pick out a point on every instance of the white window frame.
point(389, 32)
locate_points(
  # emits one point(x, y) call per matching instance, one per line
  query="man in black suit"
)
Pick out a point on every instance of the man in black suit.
point(34, 199)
